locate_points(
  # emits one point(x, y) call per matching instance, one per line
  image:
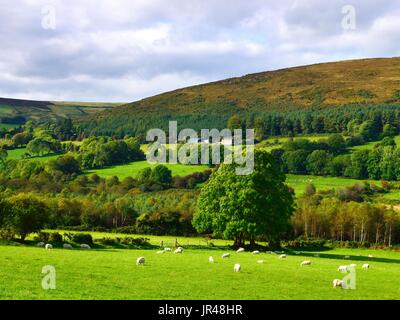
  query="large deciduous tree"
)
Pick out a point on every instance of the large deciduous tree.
point(245, 207)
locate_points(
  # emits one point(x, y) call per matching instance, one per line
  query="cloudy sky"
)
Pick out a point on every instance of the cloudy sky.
point(125, 50)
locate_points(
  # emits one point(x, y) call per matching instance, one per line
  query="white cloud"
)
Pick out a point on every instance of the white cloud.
point(123, 50)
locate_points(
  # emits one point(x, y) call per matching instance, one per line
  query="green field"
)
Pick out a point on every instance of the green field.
point(112, 274)
point(7, 126)
point(16, 154)
point(132, 169)
point(299, 182)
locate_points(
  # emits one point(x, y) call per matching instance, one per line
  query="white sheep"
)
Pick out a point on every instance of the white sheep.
point(305, 263)
point(179, 250)
point(67, 246)
point(260, 261)
point(140, 261)
point(343, 268)
point(282, 256)
point(240, 250)
point(167, 249)
point(226, 255)
point(256, 252)
point(211, 259)
point(347, 257)
point(316, 255)
point(40, 244)
point(370, 256)
point(48, 246)
point(85, 246)
point(338, 283)
point(365, 266)
point(237, 267)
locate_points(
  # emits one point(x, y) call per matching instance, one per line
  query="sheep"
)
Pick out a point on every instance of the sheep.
point(226, 255)
point(167, 249)
point(305, 263)
point(179, 250)
point(282, 256)
point(140, 261)
point(48, 246)
point(237, 267)
point(297, 253)
point(316, 255)
point(40, 244)
point(365, 266)
point(338, 283)
point(347, 257)
point(67, 246)
point(85, 246)
point(256, 252)
point(211, 259)
point(370, 256)
point(260, 261)
point(240, 250)
point(342, 269)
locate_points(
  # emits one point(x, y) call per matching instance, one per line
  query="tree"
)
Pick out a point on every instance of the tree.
point(388, 130)
point(336, 143)
point(359, 165)
point(3, 155)
point(161, 174)
point(27, 215)
point(20, 139)
point(295, 161)
point(234, 122)
point(318, 162)
point(367, 130)
point(67, 164)
point(245, 207)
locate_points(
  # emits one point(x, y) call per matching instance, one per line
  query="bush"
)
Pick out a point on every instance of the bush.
point(6, 234)
point(55, 237)
point(42, 236)
point(82, 238)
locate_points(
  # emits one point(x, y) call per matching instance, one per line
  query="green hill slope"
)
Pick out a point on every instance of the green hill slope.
point(16, 111)
point(319, 86)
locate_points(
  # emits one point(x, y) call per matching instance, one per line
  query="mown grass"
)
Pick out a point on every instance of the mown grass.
point(16, 154)
point(112, 274)
point(133, 168)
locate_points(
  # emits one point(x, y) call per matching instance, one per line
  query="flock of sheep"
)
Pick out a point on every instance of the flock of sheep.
point(237, 267)
point(48, 246)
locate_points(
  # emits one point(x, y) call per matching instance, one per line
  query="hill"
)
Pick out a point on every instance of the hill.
point(314, 87)
point(16, 111)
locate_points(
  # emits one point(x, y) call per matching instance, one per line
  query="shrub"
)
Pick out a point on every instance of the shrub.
point(82, 238)
point(55, 237)
point(42, 236)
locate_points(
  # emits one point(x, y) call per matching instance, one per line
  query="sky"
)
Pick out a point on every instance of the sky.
point(126, 50)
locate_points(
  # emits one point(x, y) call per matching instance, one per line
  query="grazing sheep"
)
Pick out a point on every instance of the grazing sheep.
point(256, 252)
point(48, 246)
point(226, 255)
point(297, 253)
point(179, 250)
point(240, 250)
point(305, 263)
point(316, 255)
point(167, 249)
point(140, 261)
point(160, 251)
point(260, 261)
point(211, 259)
point(85, 246)
point(347, 257)
point(370, 256)
point(365, 266)
point(237, 267)
point(67, 246)
point(282, 256)
point(40, 244)
point(338, 283)
point(342, 269)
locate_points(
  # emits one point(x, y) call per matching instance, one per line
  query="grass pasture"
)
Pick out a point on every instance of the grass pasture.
point(16, 154)
point(112, 274)
point(133, 168)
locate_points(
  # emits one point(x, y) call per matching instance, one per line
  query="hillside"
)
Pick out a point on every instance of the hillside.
point(16, 111)
point(319, 86)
